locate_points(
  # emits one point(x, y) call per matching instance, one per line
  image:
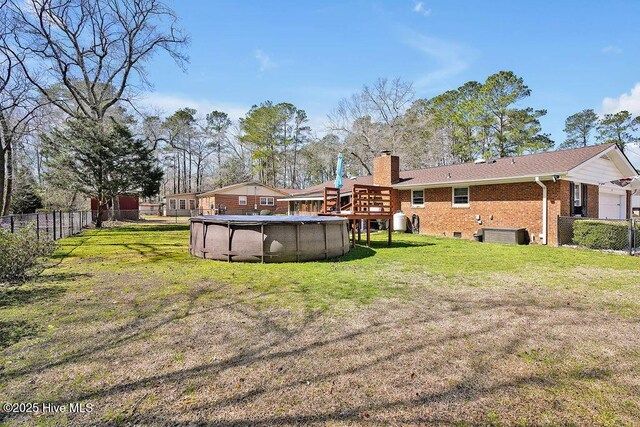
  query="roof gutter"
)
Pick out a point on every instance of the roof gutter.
point(486, 181)
point(543, 235)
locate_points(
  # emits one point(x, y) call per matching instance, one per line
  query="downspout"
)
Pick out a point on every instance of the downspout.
point(543, 236)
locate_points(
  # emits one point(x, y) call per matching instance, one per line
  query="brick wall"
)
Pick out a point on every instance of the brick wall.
point(501, 205)
point(386, 170)
point(593, 201)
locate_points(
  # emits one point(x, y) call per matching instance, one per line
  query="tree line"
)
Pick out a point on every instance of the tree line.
point(71, 128)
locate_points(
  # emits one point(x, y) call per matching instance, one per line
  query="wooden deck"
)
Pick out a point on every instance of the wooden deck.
point(368, 203)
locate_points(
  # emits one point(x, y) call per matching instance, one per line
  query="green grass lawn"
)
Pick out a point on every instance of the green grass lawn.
point(431, 330)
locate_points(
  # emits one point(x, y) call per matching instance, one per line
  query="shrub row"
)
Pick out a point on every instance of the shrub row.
point(600, 234)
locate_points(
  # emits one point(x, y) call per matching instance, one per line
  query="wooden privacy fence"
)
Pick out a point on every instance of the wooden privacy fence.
point(54, 225)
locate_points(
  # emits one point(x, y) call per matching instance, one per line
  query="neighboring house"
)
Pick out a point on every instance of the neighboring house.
point(180, 204)
point(243, 199)
point(128, 204)
point(247, 198)
point(529, 191)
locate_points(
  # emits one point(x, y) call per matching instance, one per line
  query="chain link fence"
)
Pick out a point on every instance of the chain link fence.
point(604, 234)
point(54, 225)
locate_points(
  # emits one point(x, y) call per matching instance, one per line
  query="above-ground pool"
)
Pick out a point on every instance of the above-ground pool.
point(268, 238)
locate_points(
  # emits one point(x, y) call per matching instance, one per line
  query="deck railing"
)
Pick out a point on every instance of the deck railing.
point(331, 200)
point(371, 200)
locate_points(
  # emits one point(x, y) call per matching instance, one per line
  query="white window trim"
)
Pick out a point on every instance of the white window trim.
point(242, 200)
point(577, 194)
point(419, 205)
point(267, 199)
point(453, 198)
point(180, 204)
point(192, 202)
point(175, 204)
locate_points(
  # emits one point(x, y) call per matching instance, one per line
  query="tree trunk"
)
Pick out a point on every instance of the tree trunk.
point(99, 212)
point(9, 180)
point(116, 208)
point(2, 177)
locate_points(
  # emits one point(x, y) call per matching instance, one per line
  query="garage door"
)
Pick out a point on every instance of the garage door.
point(612, 206)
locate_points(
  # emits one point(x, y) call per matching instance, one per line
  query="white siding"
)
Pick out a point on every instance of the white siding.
point(595, 171)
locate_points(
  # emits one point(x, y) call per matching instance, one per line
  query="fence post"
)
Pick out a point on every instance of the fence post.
point(61, 227)
point(12, 225)
point(37, 226)
point(630, 236)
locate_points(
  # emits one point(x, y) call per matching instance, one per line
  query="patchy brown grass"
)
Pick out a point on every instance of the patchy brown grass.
point(463, 350)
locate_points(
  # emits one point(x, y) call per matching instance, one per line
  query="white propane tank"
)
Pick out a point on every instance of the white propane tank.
point(399, 222)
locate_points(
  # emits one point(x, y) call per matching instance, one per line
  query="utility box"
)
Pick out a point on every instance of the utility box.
point(516, 236)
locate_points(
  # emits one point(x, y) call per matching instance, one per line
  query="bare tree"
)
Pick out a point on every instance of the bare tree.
point(92, 48)
point(371, 120)
point(18, 105)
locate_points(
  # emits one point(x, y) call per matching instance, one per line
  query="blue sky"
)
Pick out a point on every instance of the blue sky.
point(572, 54)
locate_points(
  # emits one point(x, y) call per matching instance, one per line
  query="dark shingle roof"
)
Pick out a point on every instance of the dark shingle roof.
point(547, 163)
point(347, 185)
point(540, 164)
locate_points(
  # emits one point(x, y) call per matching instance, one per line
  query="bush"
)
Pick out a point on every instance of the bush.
point(600, 234)
point(22, 254)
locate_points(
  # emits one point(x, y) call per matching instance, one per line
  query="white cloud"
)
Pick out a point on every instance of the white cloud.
point(616, 50)
point(627, 101)
point(450, 58)
point(168, 104)
point(419, 8)
point(264, 61)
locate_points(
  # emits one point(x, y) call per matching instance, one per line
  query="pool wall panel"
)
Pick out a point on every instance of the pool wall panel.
point(268, 241)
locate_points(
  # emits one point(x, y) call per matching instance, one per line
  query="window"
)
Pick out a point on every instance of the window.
point(192, 204)
point(242, 200)
point(461, 196)
point(183, 204)
point(172, 204)
point(417, 197)
point(266, 201)
point(577, 195)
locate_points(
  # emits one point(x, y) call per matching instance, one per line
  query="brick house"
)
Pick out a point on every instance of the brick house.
point(242, 199)
point(529, 191)
point(246, 198)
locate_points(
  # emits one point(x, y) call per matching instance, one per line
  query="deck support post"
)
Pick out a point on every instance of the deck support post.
point(353, 233)
point(229, 245)
point(368, 232)
point(262, 243)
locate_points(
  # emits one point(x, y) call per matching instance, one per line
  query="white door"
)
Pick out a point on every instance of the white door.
point(612, 206)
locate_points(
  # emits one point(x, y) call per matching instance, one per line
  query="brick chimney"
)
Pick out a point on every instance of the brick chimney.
point(386, 169)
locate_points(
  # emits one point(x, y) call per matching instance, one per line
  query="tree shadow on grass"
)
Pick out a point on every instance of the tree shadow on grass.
point(14, 296)
point(13, 331)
